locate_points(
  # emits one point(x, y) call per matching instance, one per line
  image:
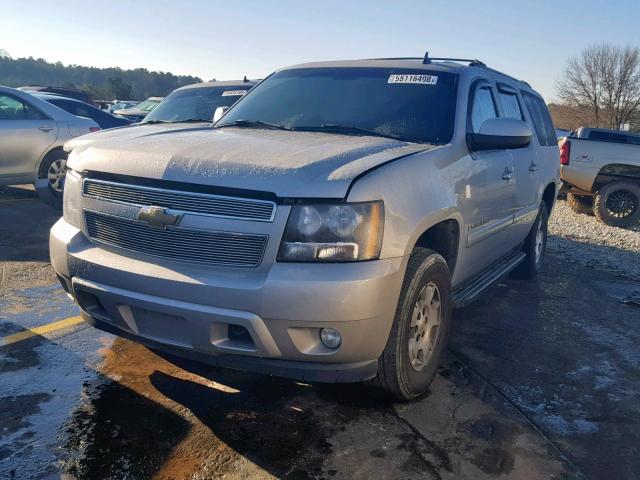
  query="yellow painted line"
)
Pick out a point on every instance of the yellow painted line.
point(42, 330)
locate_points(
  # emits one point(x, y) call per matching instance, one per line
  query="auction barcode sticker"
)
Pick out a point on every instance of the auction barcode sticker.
point(419, 79)
point(234, 93)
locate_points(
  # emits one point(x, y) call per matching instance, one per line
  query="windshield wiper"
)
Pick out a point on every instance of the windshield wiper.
point(345, 130)
point(152, 122)
point(253, 124)
point(193, 120)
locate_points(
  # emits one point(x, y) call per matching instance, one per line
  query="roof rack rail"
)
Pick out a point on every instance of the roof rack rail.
point(472, 61)
point(396, 58)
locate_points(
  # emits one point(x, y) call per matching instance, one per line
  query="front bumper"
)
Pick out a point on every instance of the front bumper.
point(196, 312)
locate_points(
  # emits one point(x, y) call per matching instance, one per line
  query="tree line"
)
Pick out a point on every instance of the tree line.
point(600, 87)
point(100, 83)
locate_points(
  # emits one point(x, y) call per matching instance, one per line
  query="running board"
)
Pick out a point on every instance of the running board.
point(469, 291)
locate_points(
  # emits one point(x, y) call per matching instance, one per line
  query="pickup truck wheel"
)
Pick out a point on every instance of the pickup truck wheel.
point(618, 204)
point(580, 203)
point(534, 246)
point(419, 332)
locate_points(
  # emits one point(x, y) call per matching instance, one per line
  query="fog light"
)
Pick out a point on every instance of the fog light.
point(330, 337)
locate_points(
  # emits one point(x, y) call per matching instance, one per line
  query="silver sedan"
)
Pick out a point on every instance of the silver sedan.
point(32, 133)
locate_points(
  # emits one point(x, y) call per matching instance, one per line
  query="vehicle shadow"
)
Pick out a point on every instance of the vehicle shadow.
point(97, 427)
point(24, 235)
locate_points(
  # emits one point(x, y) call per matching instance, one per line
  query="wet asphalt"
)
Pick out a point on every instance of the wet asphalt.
point(540, 381)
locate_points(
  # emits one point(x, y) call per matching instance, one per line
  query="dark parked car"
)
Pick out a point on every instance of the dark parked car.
point(67, 92)
point(197, 103)
point(141, 110)
point(80, 109)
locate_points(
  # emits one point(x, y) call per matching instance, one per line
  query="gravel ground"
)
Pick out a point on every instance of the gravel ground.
point(582, 239)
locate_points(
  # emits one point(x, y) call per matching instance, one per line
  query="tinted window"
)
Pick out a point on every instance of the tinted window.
point(608, 137)
point(195, 104)
point(542, 123)
point(483, 108)
point(510, 105)
point(13, 109)
point(147, 105)
point(409, 105)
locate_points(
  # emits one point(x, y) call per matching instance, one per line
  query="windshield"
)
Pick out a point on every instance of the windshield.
point(409, 105)
point(195, 104)
point(147, 105)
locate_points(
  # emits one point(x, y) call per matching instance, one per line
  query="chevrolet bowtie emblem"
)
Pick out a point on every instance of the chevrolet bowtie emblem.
point(157, 217)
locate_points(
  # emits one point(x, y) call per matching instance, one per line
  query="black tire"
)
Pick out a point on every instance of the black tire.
point(533, 249)
point(618, 204)
point(49, 193)
point(397, 377)
point(580, 203)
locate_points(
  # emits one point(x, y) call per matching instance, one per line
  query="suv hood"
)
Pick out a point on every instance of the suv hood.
point(124, 132)
point(288, 164)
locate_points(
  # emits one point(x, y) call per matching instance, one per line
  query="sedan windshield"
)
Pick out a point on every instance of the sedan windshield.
point(408, 105)
point(195, 104)
point(147, 105)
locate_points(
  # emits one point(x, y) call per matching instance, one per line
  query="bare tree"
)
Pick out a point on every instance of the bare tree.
point(606, 79)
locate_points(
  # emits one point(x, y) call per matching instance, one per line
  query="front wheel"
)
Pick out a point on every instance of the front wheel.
point(420, 327)
point(534, 246)
point(618, 204)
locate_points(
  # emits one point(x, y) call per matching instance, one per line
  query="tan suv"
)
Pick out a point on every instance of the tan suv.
point(323, 228)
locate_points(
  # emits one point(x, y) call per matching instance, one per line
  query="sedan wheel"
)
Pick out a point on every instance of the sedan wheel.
point(56, 173)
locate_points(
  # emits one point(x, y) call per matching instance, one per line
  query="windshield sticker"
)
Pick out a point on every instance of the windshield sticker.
point(419, 79)
point(234, 93)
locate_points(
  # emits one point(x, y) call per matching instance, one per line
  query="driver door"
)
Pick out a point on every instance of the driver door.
point(25, 134)
point(490, 190)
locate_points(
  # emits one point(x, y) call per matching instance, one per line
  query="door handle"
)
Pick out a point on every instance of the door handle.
point(533, 167)
point(507, 174)
point(44, 128)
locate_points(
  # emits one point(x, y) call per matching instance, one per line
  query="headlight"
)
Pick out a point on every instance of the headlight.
point(333, 233)
point(71, 198)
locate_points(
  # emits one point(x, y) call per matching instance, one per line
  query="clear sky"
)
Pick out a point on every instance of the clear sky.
point(528, 39)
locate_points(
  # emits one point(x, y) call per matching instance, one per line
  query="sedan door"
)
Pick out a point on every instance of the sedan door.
point(490, 190)
point(25, 135)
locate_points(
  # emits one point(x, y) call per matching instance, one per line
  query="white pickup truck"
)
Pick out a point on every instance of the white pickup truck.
point(600, 170)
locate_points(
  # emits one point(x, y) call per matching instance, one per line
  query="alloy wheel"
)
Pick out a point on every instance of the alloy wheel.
point(425, 323)
point(56, 173)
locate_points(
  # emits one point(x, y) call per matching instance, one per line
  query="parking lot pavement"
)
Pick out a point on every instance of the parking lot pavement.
point(540, 381)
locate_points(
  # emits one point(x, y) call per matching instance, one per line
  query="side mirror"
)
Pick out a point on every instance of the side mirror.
point(217, 115)
point(500, 134)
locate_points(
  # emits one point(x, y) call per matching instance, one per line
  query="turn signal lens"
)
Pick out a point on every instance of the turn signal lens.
point(565, 152)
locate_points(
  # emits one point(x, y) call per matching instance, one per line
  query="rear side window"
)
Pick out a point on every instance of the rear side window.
point(483, 107)
point(510, 105)
point(608, 137)
point(12, 108)
point(542, 123)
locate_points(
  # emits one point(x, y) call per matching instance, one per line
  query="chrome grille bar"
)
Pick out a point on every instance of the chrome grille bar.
point(188, 202)
point(181, 244)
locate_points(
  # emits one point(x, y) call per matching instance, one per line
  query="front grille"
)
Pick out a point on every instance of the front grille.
point(182, 244)
point(191, 202)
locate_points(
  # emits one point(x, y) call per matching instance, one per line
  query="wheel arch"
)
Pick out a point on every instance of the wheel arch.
point(616, 172)
point(549, 196)
point(52, 151)
point(443, 238)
